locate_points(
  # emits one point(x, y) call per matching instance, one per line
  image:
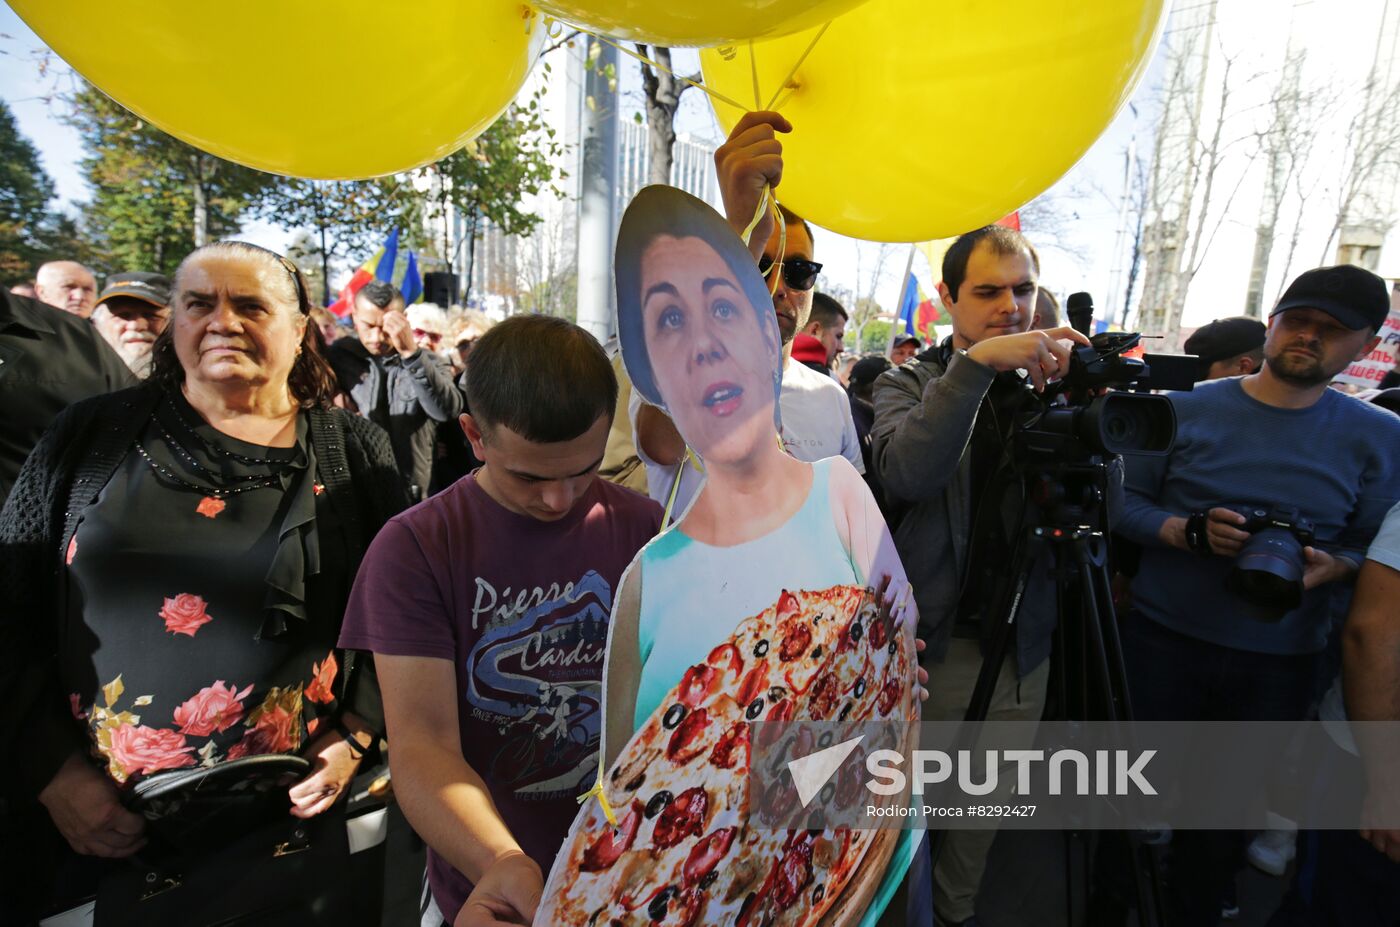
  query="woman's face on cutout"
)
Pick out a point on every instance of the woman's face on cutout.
point(713, 364)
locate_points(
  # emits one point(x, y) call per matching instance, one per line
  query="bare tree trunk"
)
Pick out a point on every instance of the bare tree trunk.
point(469, 264)
point(201, 204)
point(662, 91)
point(444, 210)
point(325, 255)
point(1134, 266)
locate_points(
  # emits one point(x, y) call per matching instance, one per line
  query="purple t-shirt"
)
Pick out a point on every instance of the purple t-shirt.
point(521, 609)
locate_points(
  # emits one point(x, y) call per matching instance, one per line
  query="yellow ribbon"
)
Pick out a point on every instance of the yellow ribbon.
point(693, 460)
point(602, 796)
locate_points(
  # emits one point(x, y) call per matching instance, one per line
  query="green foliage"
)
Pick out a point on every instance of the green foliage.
point(154, 198)
point(29, 233)
point(875, 336)
point(485, 180)
point(354, 214)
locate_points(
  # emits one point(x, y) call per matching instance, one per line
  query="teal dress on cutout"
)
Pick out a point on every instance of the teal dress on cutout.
point(695, 594)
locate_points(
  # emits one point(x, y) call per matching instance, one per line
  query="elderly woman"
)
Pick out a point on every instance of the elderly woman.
point(700, 340)
point(181, 553)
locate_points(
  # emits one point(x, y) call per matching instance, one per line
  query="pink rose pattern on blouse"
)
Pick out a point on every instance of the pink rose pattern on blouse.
point(185, 614)
point(213, 708)
point(206, 725)
point(148, 749)
point(323, 677)
point(272, 727)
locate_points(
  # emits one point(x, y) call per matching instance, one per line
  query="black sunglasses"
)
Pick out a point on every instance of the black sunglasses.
point(798, 274)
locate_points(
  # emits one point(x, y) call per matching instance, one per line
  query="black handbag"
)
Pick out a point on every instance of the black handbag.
point(223, 849)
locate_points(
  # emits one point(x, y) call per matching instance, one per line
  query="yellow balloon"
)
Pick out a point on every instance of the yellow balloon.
point(331, 89)
point(704, 22)
point(914, 120)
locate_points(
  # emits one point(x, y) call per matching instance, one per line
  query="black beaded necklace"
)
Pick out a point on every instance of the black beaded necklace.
point(211, 447)
point(256, 482)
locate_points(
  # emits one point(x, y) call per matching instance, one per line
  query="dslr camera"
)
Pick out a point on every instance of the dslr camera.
point(1268, 571)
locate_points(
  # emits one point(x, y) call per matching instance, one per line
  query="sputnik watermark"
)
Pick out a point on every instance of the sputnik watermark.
point(1114, 772)
point(1101, 772)
point(1068, 775)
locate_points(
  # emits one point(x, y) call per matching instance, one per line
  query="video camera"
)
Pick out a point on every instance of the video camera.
point(1106, 409)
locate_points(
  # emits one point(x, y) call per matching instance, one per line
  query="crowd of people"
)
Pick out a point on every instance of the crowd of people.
point(239, 534)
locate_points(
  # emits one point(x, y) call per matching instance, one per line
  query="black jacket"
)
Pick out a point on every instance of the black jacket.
point(407, 398)
point(67, 470)
point(49, 359)
point(925, 412)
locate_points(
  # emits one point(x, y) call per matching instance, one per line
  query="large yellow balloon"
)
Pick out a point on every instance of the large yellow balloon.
point(916, 120)
point(332, 89)
point(701, 22)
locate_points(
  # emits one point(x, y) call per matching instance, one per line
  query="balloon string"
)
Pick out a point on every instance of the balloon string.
point(753, 69)
point(688, 459)
point(602, 796)
point(783, 86)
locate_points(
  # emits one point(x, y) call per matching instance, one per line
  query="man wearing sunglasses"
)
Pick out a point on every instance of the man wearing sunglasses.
point(816, 414)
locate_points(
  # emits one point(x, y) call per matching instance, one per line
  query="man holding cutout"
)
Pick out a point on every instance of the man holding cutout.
point(487, 610)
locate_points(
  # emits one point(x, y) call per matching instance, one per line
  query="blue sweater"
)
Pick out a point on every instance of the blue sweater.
point(1338, 461)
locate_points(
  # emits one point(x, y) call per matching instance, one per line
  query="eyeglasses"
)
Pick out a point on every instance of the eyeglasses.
point(434, 337)
point(798, 274)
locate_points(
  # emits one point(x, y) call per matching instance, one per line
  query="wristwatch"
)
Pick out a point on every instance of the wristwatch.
point(1197, 540)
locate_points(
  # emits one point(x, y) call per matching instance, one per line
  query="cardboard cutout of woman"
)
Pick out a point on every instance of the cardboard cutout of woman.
point(700, 340)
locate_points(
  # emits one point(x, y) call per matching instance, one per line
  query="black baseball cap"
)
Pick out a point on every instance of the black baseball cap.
point(867, 369)
point(1225, 338)
point(905, 339)
point(149, 288)
point(1352, 295)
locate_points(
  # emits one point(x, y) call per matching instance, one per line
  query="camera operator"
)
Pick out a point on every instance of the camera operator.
point(941, 443)
point(1195, 649)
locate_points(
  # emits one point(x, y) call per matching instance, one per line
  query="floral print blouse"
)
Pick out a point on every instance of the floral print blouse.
point(185, 640)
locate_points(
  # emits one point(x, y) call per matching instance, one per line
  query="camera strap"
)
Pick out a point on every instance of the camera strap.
point(1197, 538)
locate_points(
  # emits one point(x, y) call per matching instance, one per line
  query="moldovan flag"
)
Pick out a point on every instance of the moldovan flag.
point(380, 266)
point(917, 312)
point(412, 284)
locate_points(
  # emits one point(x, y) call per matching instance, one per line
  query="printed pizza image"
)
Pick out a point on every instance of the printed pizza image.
point(685, 850)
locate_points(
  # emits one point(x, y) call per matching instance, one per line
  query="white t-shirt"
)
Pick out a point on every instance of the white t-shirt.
point(817, 424)
point(816, 417)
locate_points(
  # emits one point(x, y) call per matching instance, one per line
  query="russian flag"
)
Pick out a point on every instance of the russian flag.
point(379, 266)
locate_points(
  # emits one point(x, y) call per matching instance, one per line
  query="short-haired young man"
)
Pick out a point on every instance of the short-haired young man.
point(487, 610)
point(396, 384)
point(943, 423)
point(827, 324)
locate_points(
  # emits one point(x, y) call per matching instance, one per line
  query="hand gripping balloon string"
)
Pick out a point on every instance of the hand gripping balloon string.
point(764, 202)
point(602, 796)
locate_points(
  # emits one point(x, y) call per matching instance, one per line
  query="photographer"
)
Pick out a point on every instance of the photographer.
point(941, 442)
point(1195, 649)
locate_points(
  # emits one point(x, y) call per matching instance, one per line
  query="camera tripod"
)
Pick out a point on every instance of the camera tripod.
point(1064, 517)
